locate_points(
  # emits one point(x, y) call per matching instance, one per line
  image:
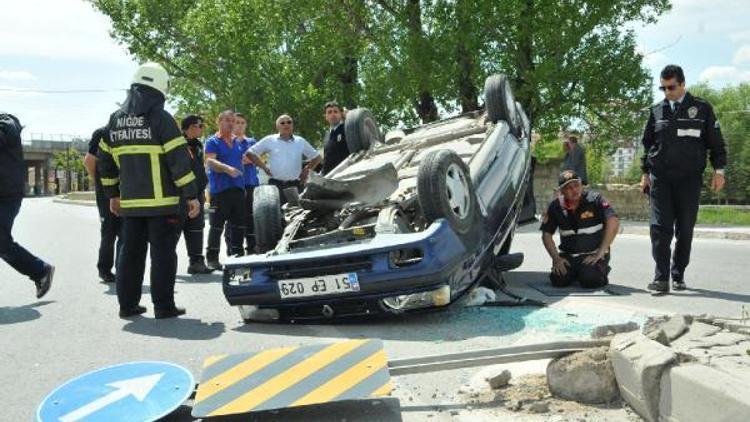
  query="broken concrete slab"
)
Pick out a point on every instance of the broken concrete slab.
point(676, 326)
point(697, 331)
point(659, 336)
point(638, 363)
point(718, 339)
point(585, 377)
point(702, 393)
point(500, 380)
point(612, 329)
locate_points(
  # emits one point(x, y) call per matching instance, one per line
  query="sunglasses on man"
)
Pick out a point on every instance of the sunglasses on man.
point(668, 87)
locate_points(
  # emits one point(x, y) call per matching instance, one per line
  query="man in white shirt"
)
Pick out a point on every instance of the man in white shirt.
point(285, 151)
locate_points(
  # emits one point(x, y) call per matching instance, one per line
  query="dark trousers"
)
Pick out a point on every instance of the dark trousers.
point(110, 230)
point(161, 234)
point(226, 206)
point(11, 252)
point(249, 223)
point(674, 210)
point(192, 229)
point(589, 276)
point(283, 184)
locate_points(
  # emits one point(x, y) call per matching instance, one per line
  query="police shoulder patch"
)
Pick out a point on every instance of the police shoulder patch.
point(692, 112)
point(716, 125)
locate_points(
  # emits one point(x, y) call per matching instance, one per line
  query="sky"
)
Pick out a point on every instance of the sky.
point(64, 45)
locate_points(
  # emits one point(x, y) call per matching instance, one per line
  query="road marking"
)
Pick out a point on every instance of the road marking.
point(136, 387)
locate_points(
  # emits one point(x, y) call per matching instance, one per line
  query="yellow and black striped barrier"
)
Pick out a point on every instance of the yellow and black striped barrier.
point(292, 376)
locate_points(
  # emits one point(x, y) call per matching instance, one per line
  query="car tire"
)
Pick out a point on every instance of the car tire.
point(500, 103)
point(267, 217)
point(361, 130)
point(445, 190)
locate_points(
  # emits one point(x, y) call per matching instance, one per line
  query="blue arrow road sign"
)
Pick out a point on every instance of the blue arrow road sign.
point(135, 391)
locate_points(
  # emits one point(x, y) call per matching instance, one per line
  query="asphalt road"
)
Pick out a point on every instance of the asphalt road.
point(76, 329)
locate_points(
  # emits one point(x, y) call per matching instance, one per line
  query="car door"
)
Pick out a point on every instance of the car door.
point(503, 176)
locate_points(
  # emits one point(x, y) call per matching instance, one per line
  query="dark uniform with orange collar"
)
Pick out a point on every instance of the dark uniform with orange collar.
point(581, 233)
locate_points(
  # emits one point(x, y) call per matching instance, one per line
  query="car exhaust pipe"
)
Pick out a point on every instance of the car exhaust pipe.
point(327, 311)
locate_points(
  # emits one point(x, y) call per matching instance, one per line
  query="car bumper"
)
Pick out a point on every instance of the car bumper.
point(444, 262)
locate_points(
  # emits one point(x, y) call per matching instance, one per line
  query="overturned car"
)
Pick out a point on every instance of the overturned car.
point(408, 221)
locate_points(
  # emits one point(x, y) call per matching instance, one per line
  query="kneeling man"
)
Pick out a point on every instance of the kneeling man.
point(588, 225)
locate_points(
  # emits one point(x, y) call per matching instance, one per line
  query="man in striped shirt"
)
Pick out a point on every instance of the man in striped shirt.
point(588, 225)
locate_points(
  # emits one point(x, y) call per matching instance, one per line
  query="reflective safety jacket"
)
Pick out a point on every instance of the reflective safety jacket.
point(144, 158)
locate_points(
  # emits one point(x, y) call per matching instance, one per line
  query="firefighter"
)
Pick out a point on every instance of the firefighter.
point(145, 168)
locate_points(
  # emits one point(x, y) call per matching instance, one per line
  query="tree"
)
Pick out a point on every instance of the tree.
point(570, 62)
point(732, 107)
point(71, 161)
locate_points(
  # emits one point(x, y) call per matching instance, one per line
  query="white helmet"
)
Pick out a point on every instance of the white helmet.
point(153, 75)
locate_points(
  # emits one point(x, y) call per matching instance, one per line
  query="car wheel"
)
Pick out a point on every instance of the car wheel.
point(500, 103)
point(267, 216)
point(444, 190)
point(361, 130)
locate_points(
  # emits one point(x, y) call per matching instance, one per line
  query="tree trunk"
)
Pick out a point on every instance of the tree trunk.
point(426, 107)
point(467, 91)
point(348, 78)
point(421, 58)
point(525, 62)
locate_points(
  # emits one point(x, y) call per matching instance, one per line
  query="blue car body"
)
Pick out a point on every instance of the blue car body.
point(500, 172)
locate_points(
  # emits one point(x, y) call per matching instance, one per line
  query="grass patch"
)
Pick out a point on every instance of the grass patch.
point(724, 216)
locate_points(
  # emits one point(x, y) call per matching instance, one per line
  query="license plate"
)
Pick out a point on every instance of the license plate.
point(318, 286)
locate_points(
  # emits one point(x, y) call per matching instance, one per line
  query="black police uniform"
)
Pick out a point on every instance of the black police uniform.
point(675, 145)
point(193, 227)
point(110, 225)
point(144, 160)
point(581, 233)
point(335, 149)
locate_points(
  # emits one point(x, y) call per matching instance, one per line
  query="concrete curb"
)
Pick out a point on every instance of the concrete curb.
point(701, 233)
point(702, 375)
point(74, 202)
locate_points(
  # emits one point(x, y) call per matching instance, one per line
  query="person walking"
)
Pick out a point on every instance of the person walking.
point(681, 132)
point(12, 185)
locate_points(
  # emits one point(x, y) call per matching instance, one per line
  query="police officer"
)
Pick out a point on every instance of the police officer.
point(335, 149)
point(192, 129)
point(680, 131)
point(145, 168)
point(588, 225)
point(109, 224)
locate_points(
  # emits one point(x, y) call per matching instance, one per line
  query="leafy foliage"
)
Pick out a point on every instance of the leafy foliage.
point(571, 62)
